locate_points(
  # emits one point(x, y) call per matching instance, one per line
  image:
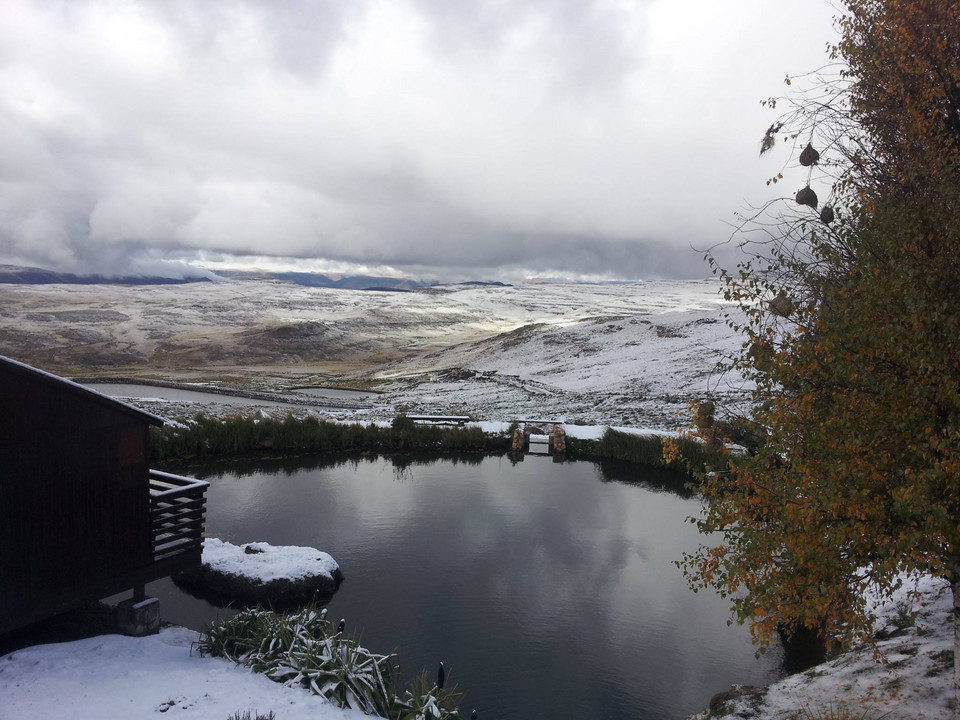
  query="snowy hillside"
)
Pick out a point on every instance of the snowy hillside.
point(625, 354)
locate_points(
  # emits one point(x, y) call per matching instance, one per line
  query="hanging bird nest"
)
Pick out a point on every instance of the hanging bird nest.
point(826, 215)
point(807, 197)
point(809, 156)
point(781, 305)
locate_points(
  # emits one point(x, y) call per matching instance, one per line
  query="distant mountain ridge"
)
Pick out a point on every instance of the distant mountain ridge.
point(345, 282)
point(16, 275)
point(350, 282)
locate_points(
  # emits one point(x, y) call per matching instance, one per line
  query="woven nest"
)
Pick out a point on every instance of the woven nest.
point(807, 197)
point(826, 215)
point(809, 156)
point(781, 305)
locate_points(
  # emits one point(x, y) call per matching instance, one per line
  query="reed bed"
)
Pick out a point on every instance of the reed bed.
point(247, 435)
point(251, 436)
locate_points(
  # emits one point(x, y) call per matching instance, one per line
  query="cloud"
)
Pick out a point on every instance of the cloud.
point(421, 135)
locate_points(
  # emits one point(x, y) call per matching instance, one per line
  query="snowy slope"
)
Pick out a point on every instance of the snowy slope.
point(625, 354)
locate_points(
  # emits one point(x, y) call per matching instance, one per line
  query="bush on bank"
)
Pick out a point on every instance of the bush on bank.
point(688, 456)
point(249, 435)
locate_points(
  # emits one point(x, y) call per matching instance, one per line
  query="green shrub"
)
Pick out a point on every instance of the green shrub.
point(692, 456)
point(640, 449)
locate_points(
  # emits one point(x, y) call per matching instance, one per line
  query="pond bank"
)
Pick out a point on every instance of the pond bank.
point(914, 634)
point(103, 677)
point(251, 436)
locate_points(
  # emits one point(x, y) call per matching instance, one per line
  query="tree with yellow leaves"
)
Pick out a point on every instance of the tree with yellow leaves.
point(852, 336)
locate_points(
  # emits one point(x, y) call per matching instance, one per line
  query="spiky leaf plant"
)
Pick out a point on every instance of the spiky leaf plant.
point(301, 649)
point(425, 701)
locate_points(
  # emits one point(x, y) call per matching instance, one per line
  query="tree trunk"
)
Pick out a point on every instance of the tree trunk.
point(955, 589)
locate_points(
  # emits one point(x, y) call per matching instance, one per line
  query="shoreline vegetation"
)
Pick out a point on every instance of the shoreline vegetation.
point(687, 456)
point(240, 436)
point(252, 436)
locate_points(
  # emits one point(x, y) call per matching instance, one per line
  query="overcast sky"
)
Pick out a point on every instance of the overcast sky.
point(433, 138)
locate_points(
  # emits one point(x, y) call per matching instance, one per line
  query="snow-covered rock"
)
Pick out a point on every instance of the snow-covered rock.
point(261, 573)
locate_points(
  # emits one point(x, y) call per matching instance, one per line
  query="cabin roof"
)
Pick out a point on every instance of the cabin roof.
point(77, 389)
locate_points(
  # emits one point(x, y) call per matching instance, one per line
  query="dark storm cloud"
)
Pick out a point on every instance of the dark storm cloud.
point(459, 242)
point(599, 138)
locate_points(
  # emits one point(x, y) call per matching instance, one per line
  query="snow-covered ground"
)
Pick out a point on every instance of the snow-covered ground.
point(912, 679)
point(118, 677)
point(609, 354)
point(111, 677)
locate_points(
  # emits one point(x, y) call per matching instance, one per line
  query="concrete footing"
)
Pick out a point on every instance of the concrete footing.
point(138, 617)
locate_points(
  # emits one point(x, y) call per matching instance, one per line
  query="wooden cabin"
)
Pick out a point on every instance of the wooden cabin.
point(82, 515)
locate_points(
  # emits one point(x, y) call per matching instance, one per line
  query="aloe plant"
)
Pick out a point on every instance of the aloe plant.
point(427, 701)
point(302, 649)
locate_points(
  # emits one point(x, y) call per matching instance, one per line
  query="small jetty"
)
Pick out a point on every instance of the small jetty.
point(540, 437)
point(440, 419)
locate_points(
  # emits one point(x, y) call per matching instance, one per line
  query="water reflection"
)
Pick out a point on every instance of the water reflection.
point(649, 478)
point(547, 589)
point(652, 478)
point(288, 465)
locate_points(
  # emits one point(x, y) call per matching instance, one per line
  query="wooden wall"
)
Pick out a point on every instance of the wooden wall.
point(74, 497)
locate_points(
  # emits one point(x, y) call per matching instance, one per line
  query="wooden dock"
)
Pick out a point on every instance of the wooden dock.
point(441, 419)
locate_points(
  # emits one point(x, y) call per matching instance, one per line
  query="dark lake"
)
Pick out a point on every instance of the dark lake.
point(547, 589)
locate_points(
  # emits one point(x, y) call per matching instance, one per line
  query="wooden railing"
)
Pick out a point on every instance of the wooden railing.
point(177, 506)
